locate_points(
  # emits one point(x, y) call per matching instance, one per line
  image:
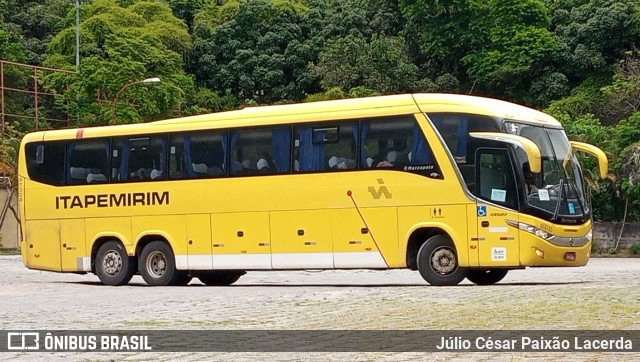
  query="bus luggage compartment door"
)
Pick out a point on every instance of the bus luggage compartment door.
point(43, 244)
point(73, 247)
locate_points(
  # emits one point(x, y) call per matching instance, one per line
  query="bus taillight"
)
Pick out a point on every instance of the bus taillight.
point(570, 256)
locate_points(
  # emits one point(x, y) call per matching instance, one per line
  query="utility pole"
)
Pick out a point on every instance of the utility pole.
point(77, 35)
point(77, 51)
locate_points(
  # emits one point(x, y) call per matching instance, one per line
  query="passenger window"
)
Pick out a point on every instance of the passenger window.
point(260, 151)
point(139, 159)
point(45, 162)
point(87, 161)
point(199, 154)
point(320, 148)
point(396, 143)
point(177, 157)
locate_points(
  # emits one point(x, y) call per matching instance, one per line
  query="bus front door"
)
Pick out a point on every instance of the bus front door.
point(498, 244)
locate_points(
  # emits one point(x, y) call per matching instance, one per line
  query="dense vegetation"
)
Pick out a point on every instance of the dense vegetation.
point(575, 59)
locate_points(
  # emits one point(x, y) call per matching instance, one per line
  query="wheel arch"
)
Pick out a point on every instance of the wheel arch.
point(148, 238)
point(100, 240)
point(421, 234)
point(418, 237)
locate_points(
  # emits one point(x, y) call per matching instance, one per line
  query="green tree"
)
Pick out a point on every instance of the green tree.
point(381, 64)
point(121, 45)
point(187, 9)
point(519, 48)
point(593, 33)
point(257, 50)
point(445, 31)
point(34, 23)
point(624, 92)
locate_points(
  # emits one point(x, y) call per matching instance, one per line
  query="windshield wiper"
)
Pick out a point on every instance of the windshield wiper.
point(557, 211)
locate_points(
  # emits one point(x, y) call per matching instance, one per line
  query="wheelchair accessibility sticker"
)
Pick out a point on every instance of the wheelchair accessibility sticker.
point(482, 211)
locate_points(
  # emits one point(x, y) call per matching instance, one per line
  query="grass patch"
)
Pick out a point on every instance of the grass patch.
point(610, 253)
point(148, 323)
point(9, 251)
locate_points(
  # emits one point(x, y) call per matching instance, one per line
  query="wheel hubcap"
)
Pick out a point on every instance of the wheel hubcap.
point(443, 261)
point(156, 264)
point(112, 262)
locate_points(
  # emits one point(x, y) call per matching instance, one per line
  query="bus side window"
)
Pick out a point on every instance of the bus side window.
point(139, 159)
point(177, 162)
point(340, 149)
point(325, 147)
point(396, 143)
point(261, 151)
point(87, 161)
point(51, 170)
point(204, 154)
point(309, 155)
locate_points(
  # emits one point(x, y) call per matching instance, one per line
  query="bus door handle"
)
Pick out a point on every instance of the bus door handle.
point(484, 224)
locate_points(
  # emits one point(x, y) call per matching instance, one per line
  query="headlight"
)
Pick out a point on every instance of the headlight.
point(589, 235)
point(542, 234)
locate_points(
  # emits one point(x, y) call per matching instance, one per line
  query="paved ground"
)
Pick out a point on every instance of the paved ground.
point(603, 295)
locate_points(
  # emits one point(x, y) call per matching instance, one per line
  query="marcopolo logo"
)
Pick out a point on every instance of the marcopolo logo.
point(382, 190)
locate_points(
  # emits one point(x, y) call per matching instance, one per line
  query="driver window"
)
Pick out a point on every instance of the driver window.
point(496, 181)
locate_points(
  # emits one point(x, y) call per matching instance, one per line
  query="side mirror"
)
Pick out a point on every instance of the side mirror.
point(603, 162)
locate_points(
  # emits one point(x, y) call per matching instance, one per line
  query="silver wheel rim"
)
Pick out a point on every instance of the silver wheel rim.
point(112, 263)
point(443, 261)
point(156, 264)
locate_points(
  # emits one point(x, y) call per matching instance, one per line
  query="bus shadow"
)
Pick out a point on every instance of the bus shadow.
point(341, 285)
point(527, 284)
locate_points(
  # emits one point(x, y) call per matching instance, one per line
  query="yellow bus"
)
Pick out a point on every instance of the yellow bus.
point(452, 186)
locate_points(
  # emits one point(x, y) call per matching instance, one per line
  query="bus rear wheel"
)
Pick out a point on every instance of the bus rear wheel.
point(112, 264)
point(486, 276)
point(157, 265)
point(438, 262)
point(220, 278)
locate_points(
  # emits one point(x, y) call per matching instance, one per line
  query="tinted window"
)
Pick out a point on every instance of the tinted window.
point(139, 159)
point(199, 154)
point(87, 161)
point(45, 162)
point(260, 151)
point(320, 148)
point(454, 129)
point(396, 143)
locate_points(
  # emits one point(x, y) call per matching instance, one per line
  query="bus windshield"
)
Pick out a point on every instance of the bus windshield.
point(558, 190)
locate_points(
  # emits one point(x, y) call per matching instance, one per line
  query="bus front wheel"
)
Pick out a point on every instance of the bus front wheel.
point(438, 262)
point(157, 265)
point(220, 278)
point(486, 276)
point(112, 264)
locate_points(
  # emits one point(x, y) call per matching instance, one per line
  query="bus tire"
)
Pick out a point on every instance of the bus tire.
point(112, 264)
point(438, 262)
point(486, 276)
point(157, 264)
point(220, 278)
